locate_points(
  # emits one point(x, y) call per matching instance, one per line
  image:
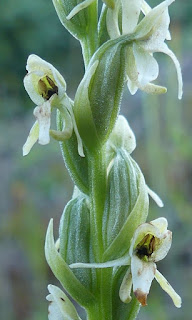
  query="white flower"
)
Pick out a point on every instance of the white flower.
point(150, 244)
point(44, 84)
point(150, 35)
point(47, 89)
point(60, 307)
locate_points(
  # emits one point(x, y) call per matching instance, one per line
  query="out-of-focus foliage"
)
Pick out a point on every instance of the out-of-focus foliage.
point(36, 188)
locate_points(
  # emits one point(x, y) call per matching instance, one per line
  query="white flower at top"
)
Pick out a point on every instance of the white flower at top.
point(44, 84)
point(47, 89)
point(150, 35)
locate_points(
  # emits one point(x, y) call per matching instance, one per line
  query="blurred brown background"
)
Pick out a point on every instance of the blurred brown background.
point(35, 188)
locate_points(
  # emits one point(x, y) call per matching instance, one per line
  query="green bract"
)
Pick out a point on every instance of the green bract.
point(74, 234)
point(77, 24)
point(98, 96)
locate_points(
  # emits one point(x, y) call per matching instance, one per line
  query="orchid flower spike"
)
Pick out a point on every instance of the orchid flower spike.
point(150, 244)
point(60, 306)
point(150, 35)
point(47, 89)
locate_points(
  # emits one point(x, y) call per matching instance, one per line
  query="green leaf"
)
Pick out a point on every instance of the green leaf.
point(63, 273)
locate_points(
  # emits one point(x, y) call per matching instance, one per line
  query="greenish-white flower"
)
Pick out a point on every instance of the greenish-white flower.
point(150, 35)
point(45, 86)
point(47, 89)
point(150, 244)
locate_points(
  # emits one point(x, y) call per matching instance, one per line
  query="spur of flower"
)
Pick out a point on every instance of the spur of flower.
point(47, 89)
point(150, 244)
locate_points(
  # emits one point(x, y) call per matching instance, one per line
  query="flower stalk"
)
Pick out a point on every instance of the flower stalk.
point(106, 254)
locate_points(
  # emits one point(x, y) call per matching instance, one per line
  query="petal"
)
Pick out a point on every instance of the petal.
point(146, 9)
point(78, 8)
point(130, 15)
point(43, 115)
point(160, 223)
point(149, 22)
point(31, 139)
point(31, 86)
point(143, 274)
point(132, 86)
point(60, 307)
point(153, 89)
point(147, 66)
point(125, 288)
point(131, 69)
point(112, 21)
point(159, 32)
point(163, 248)
point(168, 288)
point(164, 48)
point(155, 197)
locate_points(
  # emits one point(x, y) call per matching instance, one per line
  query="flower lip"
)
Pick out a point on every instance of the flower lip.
point(146, 247)
point(47, 87)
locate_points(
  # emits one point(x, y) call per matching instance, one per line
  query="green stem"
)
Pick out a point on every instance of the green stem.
point(97, 187)
point(135, 307)
point(102, 309)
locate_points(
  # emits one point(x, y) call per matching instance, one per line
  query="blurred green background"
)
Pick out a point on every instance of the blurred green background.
point(35, 188)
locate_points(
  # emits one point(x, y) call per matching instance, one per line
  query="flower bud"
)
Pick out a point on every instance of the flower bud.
point(122, 137)
point(125, 186)
point(126, 204)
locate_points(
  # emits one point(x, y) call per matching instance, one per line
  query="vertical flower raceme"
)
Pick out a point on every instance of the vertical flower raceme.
point(47, 89)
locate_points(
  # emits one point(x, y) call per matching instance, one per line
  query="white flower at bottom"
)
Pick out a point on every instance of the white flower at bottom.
point(60, 307)
point(150, 243)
